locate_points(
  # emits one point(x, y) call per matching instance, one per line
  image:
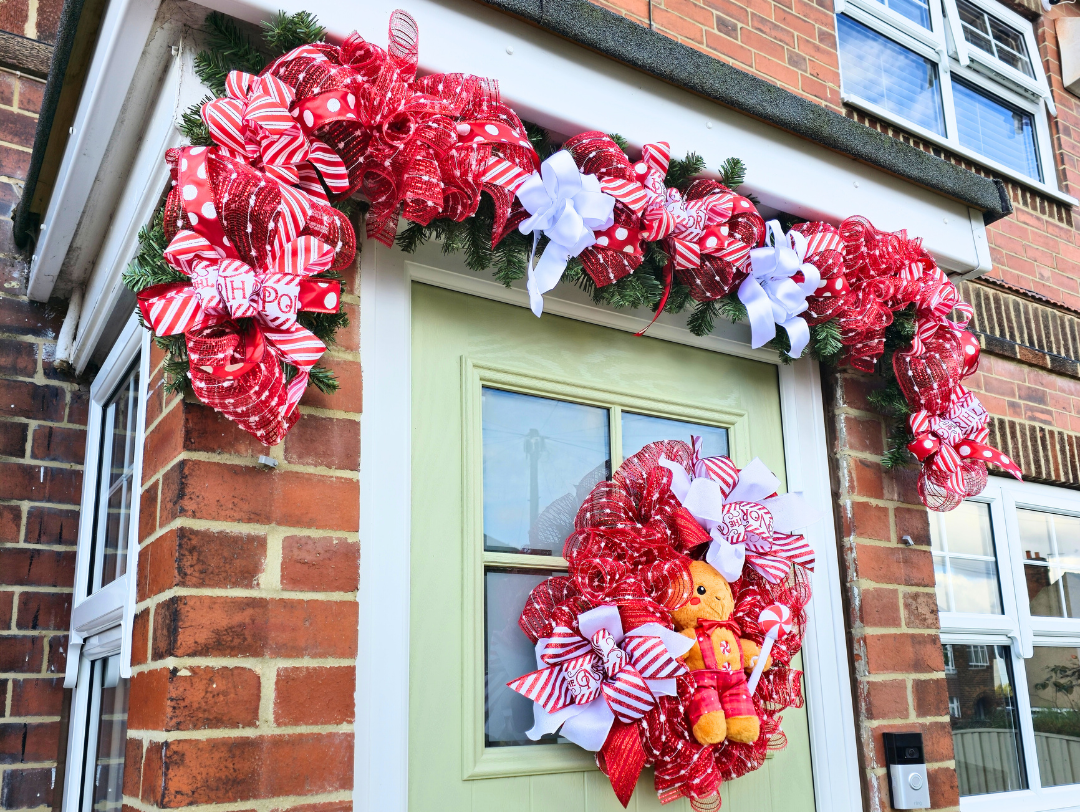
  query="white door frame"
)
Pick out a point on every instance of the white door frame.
point(382, 667)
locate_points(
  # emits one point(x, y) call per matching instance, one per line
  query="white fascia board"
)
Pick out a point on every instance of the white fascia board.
point(570, 89)
point(123, 35)
point(148, 178)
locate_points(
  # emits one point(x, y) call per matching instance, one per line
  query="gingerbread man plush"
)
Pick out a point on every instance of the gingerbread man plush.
point(721, 707)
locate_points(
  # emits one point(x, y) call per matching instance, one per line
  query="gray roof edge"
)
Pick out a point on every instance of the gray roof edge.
point(625, 41)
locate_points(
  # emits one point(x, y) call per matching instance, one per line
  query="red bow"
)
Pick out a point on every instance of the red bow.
point(224, 289)
point(580, 670)
point(943, 442)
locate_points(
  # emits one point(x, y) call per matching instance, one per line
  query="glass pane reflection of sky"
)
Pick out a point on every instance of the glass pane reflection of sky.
point(541, 459)
point(638, 430)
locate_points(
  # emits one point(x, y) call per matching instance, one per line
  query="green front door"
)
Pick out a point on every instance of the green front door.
point(514, 420)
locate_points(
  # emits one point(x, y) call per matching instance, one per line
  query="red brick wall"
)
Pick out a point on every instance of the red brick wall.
point(42, 438)
point(255, 570)
point(36, 19)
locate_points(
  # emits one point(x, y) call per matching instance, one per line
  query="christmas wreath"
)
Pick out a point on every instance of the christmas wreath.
point(684, 574)
point(237, 274)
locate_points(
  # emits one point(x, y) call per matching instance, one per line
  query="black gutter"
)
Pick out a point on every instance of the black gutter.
point(25, 222)
point(653, 53)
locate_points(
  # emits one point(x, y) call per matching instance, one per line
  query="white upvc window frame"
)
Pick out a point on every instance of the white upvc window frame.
point(1019, 630)
point(944, 45)
point(101, 619)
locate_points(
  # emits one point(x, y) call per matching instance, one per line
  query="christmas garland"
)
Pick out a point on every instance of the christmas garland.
point(237, 279)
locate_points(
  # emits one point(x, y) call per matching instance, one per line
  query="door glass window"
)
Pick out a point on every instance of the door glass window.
point(1053, 676)
point(1051, 550)
point(985, 725)
point(541, 459)
point(507, 654)
point(638, 430)
point(964, 565)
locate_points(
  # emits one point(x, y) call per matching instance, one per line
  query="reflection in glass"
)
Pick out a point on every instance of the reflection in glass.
point(985, 726)
point(507, 654)
point(1053, 676)
point(541, 459)
point(108, 775)
point(915, 10)
point(1051, 546)
point(965, 569)
point(884, 73)
point(997, 130)
point(115, 477)
point(987, 33)
point(638, 430)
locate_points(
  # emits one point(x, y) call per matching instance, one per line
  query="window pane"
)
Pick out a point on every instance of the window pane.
point(541, 459)
point(118, 460)
point(508, 654)
point(1051, 545)
point(638, 430)
point(108, 757)
point(968, 529)
point(990, 35)
point(975, 587)
point(914, 10)
point(887, 74)
point(985, 727)
point(1054, 689)
point(996, 130)
point(965, 568)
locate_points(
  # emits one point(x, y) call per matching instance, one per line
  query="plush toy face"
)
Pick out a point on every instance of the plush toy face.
point(711, 597)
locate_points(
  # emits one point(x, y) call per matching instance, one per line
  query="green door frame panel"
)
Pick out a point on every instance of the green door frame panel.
point(382, 750)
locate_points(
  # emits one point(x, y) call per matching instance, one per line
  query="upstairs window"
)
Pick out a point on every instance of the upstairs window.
point(964, 74)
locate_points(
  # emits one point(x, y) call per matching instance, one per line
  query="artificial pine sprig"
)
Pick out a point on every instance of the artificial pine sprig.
point(283, 32)
point(228, 49)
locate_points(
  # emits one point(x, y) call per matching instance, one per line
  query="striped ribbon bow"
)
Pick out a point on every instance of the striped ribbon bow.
point(222, 289)
point(258, 121)
point(593, 675)
point(748, 522)
point(944, 441)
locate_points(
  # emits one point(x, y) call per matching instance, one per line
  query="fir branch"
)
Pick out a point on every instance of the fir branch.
point(731, 308)
point(228, 49)
point(323, 379)
point(825, 343)
point(733, 173)
point(324, 325)
point(703, 318)
point(897, 455)
point(283, 31)
point(621, 142)
point(681, 172)
point(149, 268)
point(192, 126)
point(540, 139)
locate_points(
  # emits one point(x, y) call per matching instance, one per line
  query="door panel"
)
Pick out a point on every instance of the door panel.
point(463, 346)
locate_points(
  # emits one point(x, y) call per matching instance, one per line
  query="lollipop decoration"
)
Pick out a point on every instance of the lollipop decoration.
point(775, 621)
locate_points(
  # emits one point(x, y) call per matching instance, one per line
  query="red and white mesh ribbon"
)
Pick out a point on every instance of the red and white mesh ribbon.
point(943, 442)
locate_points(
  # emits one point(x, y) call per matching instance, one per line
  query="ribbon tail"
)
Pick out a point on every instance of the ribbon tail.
point(668, 275)
point(798, 334)
point(622, 759)
point(759, 311)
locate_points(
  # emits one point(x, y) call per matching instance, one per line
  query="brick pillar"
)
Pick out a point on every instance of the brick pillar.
point(246, 628)
point(889, 589)
point(42, 440)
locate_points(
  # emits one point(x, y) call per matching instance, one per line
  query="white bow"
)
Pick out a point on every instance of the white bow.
point(771, 295)
point(568, 207)
point(704, 498)
point(588, 725)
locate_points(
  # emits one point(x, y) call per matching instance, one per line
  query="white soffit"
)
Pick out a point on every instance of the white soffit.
point(570, 89)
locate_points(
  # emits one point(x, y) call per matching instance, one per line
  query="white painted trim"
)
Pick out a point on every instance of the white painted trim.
point(382, 722)
point(115, 603)
point(140, 198)
point(123, 34)
point(582, 90)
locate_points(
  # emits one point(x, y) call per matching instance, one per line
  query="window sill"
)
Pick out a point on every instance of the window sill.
point(957, 149)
